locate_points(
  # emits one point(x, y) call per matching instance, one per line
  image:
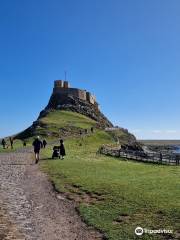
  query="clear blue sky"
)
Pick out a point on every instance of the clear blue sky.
point(126, 52)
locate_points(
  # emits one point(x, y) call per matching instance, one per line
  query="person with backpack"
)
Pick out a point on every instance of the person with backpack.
point(37, 144)
point(11, 142)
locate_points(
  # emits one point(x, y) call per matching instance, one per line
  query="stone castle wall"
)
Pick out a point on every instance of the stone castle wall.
point(63, 88)
point(90, 98)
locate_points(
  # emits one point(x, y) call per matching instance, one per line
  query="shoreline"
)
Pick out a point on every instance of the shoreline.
point(168, 146)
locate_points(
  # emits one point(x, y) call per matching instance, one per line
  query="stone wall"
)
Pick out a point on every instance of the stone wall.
point(63, 89)
point(61, 84)
point(58, 84)
point(66, 84)
point(81, 94)
point(90, 98)
point(65, 92)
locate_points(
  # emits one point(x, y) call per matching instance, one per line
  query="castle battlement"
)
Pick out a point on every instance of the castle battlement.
point(61, 84)
point(63, 89)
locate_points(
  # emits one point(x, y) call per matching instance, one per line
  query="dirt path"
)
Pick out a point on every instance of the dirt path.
point(30, 209)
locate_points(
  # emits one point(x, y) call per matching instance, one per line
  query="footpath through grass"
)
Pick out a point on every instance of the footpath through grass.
point(16, 145)
point(114, 195)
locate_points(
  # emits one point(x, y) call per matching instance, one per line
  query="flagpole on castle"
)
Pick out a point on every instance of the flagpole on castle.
point(65, 75)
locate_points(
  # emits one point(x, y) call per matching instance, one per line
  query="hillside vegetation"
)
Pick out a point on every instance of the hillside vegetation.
point(113, 195)
point(66, 123)
point(65, 119)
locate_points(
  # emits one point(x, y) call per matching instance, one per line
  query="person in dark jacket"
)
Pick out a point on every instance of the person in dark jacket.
point(11, 142)
point(62, 149)
point(44, 143)
point(37, 144)
point(160, 157)
point(177, 159)
point(3, 143)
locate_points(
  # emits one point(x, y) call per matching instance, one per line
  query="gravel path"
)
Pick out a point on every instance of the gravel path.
point(30, 209)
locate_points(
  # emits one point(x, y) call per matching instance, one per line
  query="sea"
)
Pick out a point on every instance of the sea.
point(177, 150)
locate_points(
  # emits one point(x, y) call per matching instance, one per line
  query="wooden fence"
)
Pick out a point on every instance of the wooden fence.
point(164, 158)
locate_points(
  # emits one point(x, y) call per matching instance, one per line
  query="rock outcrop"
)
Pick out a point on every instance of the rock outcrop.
point(74, 104)
point(76, 100)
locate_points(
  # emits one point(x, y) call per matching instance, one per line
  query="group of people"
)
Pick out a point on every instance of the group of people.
point(5, 145)
point(86, 131)
point(58, 151)
point(11, 141)
point(38, 144)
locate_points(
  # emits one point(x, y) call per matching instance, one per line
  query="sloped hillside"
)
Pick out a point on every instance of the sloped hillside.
point(74, 104)
point(60, 123)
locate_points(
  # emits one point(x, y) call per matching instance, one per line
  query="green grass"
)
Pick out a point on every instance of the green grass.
point(58, 122)
point(115, 195)
point(60, 119)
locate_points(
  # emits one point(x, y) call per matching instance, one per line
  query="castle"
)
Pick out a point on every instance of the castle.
point(63, 90)
point(66, 98)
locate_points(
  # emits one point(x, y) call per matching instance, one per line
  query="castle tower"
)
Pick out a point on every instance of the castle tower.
point(66, 84)
point(58, 84)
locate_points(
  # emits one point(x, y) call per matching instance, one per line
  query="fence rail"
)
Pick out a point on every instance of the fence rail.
point(168, 159)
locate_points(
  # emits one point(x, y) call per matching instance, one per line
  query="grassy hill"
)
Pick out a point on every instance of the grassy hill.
point(57, 123)
point(113, 195)
point(66, 118)
point(66, 123)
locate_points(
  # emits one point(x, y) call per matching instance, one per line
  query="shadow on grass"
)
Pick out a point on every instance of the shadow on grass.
point(52, 159)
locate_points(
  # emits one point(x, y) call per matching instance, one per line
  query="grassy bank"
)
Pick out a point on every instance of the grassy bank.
point(115, 195)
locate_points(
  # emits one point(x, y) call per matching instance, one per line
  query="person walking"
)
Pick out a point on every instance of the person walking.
point(160, 157)
point(177, 159)
point(44, 143)
point(37, 144)
point(3, 143)
point(11, 142)
point(62, 149)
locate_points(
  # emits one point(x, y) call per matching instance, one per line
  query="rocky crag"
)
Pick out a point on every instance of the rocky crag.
point(70, 99)
point(74, 100)
point(74, 104)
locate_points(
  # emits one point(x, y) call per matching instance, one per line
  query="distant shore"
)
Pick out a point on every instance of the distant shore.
point(160, 142)
point(162, 145)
